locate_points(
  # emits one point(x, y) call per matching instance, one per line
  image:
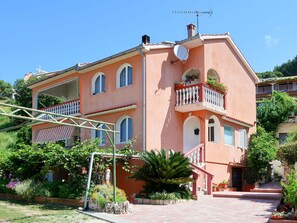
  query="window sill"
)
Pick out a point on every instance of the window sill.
point(98, 93)
point(124, 86)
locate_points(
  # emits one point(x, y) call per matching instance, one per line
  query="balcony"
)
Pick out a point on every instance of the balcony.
point(66, 108)
point(199, 97)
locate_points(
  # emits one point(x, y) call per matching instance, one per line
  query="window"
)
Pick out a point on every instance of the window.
point(228, 135)
point(101, 135)
point(242, 138)
point(98, 83)
point(124, 76)
point(282, 138)
point(214, 129)
point(211, 130)
point(125, 127)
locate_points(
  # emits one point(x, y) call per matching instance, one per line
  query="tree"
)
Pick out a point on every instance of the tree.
point(275, 110)
point(5, 89)
point(269, 74)
point(261, 152)
point(289, 68)
point(164, 173)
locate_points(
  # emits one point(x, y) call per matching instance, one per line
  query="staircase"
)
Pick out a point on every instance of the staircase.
point(196, 157)
point(269, 191)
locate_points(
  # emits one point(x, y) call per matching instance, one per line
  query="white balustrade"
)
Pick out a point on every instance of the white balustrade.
point(188, 95)
point(67, 108)
point(196, 155)
point(212, 97)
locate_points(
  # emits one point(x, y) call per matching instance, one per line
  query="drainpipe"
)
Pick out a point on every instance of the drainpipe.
point(143, 98)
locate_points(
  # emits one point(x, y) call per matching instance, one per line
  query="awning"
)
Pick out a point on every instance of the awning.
point(54, 134)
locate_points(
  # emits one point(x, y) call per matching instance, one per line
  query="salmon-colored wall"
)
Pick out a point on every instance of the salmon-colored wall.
point(113, 118)
point(113, 96)
point(130, 186)
point(240, 98)
point(164, 124)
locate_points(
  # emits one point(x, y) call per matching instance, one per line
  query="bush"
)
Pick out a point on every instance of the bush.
point(47, 189)
point(290, 189)
point(101, 194)
point(27, 189)
point(261, 152)
point(4, 188)
point(164, 196)
point(162, 173)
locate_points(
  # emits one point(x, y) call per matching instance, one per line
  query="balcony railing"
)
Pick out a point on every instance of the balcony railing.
point(66, 108)
point(198, 97)
point(196, 155)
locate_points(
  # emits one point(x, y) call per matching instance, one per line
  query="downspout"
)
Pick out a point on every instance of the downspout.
point(143, 97)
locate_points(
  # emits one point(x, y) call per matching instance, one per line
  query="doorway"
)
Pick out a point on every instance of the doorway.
point(237, 178)
point(191, 133)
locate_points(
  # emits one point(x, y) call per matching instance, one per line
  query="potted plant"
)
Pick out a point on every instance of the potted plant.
point(224, 184)
point(190, 77)
point(213, 83)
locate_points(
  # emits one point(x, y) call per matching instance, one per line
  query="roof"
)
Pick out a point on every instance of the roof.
point(195, 41)
point(277, 80)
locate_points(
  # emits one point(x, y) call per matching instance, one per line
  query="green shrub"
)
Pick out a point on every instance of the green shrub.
point(3, 187)
point(47, 189)
point(26, 189)
point(262, 150)
point(164, 196)
point(162, 173)
point(290, 189)
point(104, 193)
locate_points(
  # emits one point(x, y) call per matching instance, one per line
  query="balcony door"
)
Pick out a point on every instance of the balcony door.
point(191, 133)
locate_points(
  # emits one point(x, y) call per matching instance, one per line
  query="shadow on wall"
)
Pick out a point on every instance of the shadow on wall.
point(172, 123)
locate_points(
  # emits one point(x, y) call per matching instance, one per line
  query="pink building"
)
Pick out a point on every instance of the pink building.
point(137, 90)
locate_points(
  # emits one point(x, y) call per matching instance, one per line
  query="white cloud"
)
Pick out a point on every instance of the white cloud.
point(271, 41)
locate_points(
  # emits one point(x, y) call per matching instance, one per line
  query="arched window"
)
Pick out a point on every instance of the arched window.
point(213, 74)
point(213, 129)
point(191, 76)
point(124, 126)
point(100, 134)
point(124, 76)
point(98, 83)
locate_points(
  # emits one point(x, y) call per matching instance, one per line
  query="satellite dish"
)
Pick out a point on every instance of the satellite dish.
point(181, 52)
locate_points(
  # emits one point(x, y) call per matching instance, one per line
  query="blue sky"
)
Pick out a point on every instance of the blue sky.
point(56, 34)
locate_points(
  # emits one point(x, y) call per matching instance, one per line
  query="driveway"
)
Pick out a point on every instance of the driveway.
point(206, 209)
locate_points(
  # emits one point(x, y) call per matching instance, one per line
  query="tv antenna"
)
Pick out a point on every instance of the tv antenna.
point(197, 14)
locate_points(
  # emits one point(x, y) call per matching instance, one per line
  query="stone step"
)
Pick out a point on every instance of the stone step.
point(266, 190)
point(248, 195)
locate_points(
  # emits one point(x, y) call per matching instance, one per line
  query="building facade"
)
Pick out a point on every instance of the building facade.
point(138, 90)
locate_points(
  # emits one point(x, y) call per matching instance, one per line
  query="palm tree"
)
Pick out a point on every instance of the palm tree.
point(165, 173)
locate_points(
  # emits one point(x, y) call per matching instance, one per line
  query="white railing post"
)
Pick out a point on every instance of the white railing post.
point(67, 108)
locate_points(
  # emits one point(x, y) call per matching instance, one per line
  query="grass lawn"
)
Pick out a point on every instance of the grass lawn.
point(24, 212)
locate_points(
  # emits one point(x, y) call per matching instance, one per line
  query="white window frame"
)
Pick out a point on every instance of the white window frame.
point(233, 143)
point(98, 75)
point(217, 129)
point(211, 125)
point(118, 127)
point(123, 66)
point(242, 138)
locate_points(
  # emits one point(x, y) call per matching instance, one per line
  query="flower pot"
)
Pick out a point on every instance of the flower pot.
point(277, 217)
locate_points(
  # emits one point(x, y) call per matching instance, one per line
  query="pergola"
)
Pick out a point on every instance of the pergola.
point(40, 116)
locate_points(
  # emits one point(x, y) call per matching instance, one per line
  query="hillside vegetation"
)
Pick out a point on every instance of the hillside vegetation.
point(287, 69)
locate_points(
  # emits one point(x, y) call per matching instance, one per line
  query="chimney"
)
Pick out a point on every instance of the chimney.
point(191, 30)
point(145, 39)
